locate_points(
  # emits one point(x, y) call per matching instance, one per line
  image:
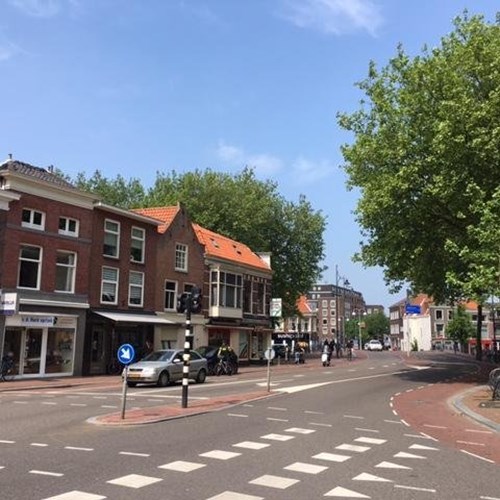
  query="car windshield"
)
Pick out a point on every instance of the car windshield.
point(159, 355)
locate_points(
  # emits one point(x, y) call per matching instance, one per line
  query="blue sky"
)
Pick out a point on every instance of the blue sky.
point(134, 87)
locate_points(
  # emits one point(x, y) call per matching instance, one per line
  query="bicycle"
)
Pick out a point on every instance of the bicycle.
point(6, 369)
point(349, 354)
point(223, 367)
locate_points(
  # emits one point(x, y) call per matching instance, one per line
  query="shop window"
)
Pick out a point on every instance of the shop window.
point(181, 257)
point(30, 259)
point(135, 289)
point(65, 271)
point(33, 219)
point(137, 245)
point(60, 349)
point(69, 227)
point(109, 285)
point(111, 238)
point(170, 295)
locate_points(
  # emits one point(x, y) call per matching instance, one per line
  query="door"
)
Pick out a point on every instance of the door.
point(32, 359)
point(97, 352)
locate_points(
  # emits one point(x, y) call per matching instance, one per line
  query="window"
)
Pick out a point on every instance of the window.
point(324, 303)
point(111, 238)
point(137, 244)
point(170, 295)
point(226, 289)
point(30, 259)
point(333, 304)
point(109, 285)
point(258, 297)
point(439, 314)
point(33, 219)
point(65, 271)
point(181, 257)
point(135, 288)
point(325, 321)
point(68, 227)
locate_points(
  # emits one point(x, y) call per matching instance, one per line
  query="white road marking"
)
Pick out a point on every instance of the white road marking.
point(274, 481)
point(344, 493)
point(418, 436)
point(232, 495)
point(6, 441)
point(370, 440)
point(472, 443)
point(220, 454)
point(109, 406)
point(306, 468)
point(76, 495)
point(46, 473)
point(276, 408)
point(403, 454)
point(321, 425)
point(414, 488)
point(49, 403)
point(252, 445)
point(41, 445)
point(298, 430)
point(435, 426)
point(354, 416)
point(365, 430)
point(479, 432)
point(20, 402)
point(422, 447)
point(477, 456)
point(134, 481)
point(314, 412)
point(394, 422)
point(370, 477)
point(274, 419)
point(331, 457)
point(134, 454)
point(77, 404)
point(277, 437)
point(181, 466)
point(489, 498)
point(239, 415)
point(352, 447)
point(391, 465)
point(78, 448)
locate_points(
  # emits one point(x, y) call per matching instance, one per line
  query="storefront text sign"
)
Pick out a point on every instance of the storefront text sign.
point(38, 320)
point(8, 303)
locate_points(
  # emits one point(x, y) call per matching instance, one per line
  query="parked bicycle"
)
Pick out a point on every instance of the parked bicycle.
point(7, 367)
point(224, 367)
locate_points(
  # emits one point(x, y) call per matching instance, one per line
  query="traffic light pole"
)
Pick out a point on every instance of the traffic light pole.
point(186, 355)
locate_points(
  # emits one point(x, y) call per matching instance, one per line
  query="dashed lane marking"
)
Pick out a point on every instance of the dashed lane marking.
point(477, 456)
point(394, 422)
point(364, 476)
point(76, 495)
point(354, 416)
point(276, 408)
point(414, 488)
point(135, 481)
point(479, 432)
point(134, 454)
point(232, 495)
point(298, 430)
point(306, 468)
point(435, 426)
point(331, 457)
point(274, 419)
point(77, 448)
point(360, 429)
point(320, 424)
point(422, 447)
point(352, 447)
point(6, 441)
point(277, 437)
point(238, 415)
point(251, 445)
point(220, 454)
point(40, 445)
point(344, 493)
point(404, 454)
point(182, 466)
point(370, 440)
point(471, 443)
point(274, 481)
point(391, 465)
point(46, 473)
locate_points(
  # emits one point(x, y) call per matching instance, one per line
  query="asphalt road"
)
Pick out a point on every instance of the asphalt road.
point(325, 433)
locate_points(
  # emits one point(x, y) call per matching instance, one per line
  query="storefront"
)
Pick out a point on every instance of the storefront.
point(41, 344)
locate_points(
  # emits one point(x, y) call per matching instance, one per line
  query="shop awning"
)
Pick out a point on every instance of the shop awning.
point(134, 318)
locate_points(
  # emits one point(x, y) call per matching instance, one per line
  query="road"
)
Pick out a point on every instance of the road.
point(325, 433)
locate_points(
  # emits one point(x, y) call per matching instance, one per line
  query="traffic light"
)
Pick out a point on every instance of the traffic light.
point(182, 301)
point(196, 300)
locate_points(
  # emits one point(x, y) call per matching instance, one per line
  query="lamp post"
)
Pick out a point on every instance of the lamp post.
point(345, 283)
point(359, 313)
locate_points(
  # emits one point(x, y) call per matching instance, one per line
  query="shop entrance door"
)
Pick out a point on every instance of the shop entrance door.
point(32, 353)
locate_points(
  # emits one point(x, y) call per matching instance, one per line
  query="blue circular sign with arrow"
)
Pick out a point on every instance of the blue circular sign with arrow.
point(126, 354)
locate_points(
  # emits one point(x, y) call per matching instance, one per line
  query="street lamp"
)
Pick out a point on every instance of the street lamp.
point(359, 313)
point(345, 283)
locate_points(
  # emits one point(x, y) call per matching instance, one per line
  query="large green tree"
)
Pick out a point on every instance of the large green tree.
point(426, 142)
point(241, 207)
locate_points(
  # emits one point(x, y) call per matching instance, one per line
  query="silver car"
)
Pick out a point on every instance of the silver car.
point(164, 367)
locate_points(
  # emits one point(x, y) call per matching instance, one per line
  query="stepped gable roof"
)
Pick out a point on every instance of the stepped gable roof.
point(217, 245)
point(163, 214)
point(42, 174)
point(303, 305)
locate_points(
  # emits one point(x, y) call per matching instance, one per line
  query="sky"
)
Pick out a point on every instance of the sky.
point(137, 87)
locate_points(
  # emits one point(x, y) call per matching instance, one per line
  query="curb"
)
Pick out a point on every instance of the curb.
point(457, 402)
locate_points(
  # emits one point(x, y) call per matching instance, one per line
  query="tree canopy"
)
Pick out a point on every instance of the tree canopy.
point(240, 207)
point(426, 157)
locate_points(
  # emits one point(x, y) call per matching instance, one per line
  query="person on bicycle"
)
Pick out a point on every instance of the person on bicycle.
point(7, 365)
point(226, 357)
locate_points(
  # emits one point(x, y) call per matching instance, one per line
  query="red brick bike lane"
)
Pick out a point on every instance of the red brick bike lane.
point(443, 412)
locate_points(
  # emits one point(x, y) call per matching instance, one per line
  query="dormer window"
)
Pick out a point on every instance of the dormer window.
point(33, 219)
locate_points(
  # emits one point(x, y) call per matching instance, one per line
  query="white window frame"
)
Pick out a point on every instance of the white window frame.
point(109, 282)
point(111, 233)
point(31, 223)
point(222, 290)
point(140, 240)
point(70, 268)
point(181, 257)
point(135, 286)
point(171, 295)
point(38, 264)
point(66, 231)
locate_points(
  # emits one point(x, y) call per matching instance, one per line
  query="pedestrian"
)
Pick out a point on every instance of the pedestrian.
point(455, 347)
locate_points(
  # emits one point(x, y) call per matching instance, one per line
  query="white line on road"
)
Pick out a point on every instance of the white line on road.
point(365, 430)
point(472, 443)
point(77, 448)
point(435, 426)
point(479, 432)
point(133, 454)
point(46, 473)
point(277, 419)
point(239, 415)
point(40, 445)
point(414, 488)
point(354, 416)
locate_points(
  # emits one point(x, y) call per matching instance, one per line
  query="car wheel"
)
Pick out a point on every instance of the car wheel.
point(163, 379)
point(202, 375)
point(131, 384)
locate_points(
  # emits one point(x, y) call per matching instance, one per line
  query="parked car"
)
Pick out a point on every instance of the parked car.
point(164, 367)
point(209, 352)
point(374, 345)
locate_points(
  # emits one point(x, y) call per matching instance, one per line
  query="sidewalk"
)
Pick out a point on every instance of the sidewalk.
point(469, 397)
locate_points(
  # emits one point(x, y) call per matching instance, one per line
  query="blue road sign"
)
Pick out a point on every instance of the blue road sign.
point(126, 354)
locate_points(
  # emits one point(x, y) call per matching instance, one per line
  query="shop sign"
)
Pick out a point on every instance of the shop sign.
point(38, 320)
point(276, 308)
point(8, 303)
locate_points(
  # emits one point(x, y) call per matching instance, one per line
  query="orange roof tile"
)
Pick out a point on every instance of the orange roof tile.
point(164, 214)
point(303, 305)
point(220, 246)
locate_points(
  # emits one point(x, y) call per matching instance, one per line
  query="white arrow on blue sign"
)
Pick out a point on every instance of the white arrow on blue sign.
point(126, 354)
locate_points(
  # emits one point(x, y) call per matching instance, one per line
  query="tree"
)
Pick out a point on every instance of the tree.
point(427, 141)
point(460, 328)
point(240, 207)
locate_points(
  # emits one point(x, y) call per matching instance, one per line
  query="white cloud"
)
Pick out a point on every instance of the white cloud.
point(335, 17)
point(301, 171)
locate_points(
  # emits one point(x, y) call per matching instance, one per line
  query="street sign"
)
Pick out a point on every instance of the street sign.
point(126, 354)
point(276, 308)
point(411, 309)
point(269, 354)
